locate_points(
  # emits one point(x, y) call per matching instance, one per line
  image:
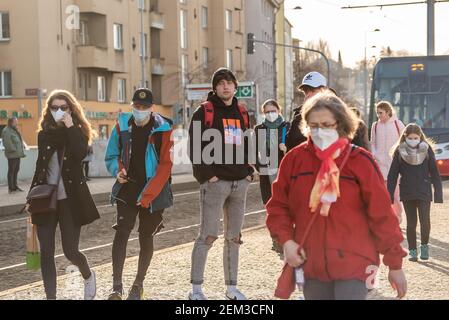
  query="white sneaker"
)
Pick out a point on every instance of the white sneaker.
point(90, 287)
point(235, 294)
point(197, 295)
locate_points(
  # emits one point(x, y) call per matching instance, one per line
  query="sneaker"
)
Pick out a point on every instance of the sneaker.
point(197, 296)
point(413, 255)
point(135, 293)
point(90, 287)
point(424, 252)
point(235, 294)
point(18, 189)
point(115, 295)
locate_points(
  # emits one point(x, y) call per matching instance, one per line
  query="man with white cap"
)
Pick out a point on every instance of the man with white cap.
point(312, 83)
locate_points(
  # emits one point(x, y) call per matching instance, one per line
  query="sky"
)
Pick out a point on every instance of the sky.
point(401, 27)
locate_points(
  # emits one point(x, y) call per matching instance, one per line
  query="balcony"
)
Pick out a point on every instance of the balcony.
point(92, 57)
point(94, 6)
point(157, 66)
point(157, 20)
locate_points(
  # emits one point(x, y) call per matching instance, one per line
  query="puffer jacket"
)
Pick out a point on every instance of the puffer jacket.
point(383, 138)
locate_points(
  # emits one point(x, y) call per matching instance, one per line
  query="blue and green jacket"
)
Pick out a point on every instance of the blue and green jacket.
point(157, 194)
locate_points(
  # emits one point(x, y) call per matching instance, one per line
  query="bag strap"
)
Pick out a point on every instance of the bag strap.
point(315, 215)
point(397, 127)
point(208, 114)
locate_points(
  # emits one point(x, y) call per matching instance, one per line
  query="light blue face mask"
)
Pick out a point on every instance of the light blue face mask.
point(141, 117)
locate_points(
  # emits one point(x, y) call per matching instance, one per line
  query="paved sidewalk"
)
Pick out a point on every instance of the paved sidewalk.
point(100, 189)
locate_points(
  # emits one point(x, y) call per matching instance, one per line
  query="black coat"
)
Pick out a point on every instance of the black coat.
point(294, 135)
point(80, 200)
point(416, 180)
point(261, 126)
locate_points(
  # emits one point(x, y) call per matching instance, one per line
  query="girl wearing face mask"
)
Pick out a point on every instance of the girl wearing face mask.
point(384, 134)
point(414, 160)
point(270, 144)
point(331, 212)
point(270, 148)
point(63, 137)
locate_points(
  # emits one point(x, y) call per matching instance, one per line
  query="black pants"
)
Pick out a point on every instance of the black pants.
point(149, 225)
point(13, 170)
point(70, 236)
point(423, 207)
point(265, 188)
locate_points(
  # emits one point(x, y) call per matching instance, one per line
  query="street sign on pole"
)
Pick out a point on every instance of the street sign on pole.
point(198, 92)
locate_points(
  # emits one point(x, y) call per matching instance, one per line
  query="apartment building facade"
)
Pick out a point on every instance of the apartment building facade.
point(102, 50)
point(260, 67)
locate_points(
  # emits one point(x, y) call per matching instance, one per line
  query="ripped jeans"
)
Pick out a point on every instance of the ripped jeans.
point(215, 197)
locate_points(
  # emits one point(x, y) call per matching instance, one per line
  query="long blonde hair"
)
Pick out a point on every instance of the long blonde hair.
point(79, 119)
point(410, 129)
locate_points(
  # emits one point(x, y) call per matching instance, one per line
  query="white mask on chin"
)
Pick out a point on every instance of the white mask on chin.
point(324, 138)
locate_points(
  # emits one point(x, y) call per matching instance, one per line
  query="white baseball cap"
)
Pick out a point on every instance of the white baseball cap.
point(314, 79)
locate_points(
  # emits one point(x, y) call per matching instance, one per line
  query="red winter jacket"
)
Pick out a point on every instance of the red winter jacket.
point(361, 224)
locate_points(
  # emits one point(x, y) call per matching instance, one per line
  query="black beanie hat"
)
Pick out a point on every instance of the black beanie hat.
point(223, 74)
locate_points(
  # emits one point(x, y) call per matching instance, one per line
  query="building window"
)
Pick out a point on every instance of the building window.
point(229, 20)
point(141, 4)
point(118, 36)
point(121, 97)
point(183, 26)
point(103, 132)
point(101, 89)
point(4, 26)
point(229, 59)
point(5, 84)
point(143, 47)
point(184, 62)
point(205, 57)
point(204, 17)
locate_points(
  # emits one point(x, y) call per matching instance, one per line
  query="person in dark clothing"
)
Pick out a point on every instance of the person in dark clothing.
point(138, 154)
point(361, 138)
point(63, 136)
point(414, 160)
point(313, 83)
point(270, 140)
point(14, 151)
point(270, 149)
point(224, 179)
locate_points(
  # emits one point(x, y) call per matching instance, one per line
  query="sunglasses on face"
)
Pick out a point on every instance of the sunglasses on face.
point(63, 108)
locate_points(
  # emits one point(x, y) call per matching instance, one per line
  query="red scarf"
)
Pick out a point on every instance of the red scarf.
point(326, 189)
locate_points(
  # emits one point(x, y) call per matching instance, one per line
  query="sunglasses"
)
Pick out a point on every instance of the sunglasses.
point(63, 108)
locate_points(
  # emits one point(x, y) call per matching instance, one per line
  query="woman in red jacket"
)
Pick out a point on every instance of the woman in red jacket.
point(337, 190)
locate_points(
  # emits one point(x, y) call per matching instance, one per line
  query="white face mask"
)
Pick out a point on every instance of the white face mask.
point(272, 116)
point(58, 115)
point(412, 142)
point(323, 138)
point(141, 116)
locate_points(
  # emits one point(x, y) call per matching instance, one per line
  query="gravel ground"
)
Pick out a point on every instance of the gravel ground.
point(168, 276)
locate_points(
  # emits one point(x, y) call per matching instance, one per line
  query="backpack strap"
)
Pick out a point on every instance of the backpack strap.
point(397, 127)
point(208, 113)
point(244, 114)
